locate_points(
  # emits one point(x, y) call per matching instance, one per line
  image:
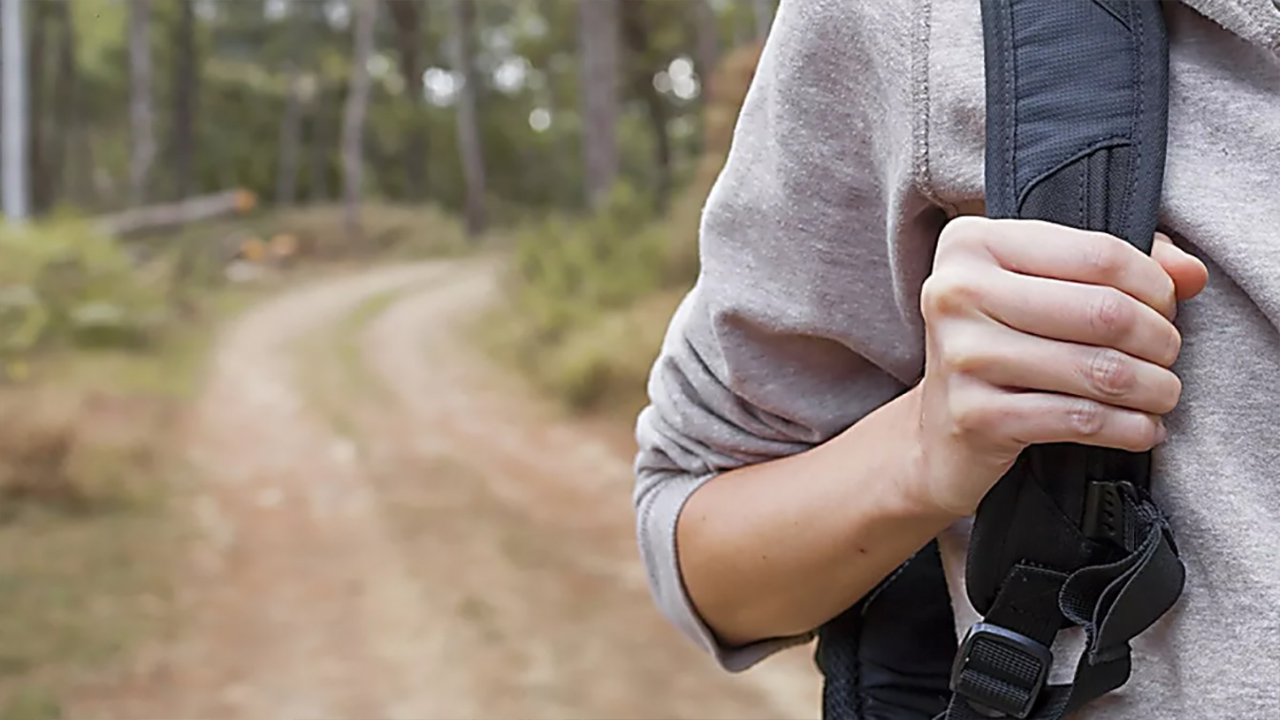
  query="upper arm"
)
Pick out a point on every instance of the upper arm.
point(804, 317)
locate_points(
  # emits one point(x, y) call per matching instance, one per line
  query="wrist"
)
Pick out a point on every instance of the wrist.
point(901, 487)
point(923, 472)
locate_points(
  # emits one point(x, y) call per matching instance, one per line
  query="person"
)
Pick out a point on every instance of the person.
point(863, 354)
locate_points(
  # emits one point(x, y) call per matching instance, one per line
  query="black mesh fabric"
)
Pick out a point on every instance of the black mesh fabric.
point(889, 656)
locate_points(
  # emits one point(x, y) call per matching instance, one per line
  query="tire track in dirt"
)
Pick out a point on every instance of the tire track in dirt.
point(298, 603)
point(528, 512)
point(466, 553)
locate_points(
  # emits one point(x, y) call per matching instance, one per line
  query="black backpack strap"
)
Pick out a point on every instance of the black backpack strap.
point(889, 656)
point(1077, 98)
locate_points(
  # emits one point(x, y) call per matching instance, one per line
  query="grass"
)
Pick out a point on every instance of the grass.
point(340, 373)
point(89, 473)
point(589, 298)
point(88, 479)
point(597, 365)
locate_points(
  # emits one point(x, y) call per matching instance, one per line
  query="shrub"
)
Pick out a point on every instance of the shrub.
point(62, 281)
point(589, 298)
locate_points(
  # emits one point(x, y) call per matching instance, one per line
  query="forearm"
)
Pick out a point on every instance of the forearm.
point(776, 549)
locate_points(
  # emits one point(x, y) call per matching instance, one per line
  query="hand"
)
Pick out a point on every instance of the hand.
point(1040, 333)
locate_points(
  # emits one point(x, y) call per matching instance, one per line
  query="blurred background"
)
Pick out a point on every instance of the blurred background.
point(323, 328)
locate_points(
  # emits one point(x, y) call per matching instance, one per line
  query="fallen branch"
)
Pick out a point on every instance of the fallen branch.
point(170, 215)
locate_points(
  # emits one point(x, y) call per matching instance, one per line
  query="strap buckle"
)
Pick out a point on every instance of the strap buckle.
point(999, 672)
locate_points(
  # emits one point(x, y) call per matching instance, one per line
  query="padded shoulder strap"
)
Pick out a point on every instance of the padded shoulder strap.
point(1077, 95)
point(1077, 113)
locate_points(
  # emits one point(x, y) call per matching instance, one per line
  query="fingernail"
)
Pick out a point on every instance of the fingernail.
point(1162, 433)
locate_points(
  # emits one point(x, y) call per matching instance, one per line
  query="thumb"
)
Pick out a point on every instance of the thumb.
point(1189, 275)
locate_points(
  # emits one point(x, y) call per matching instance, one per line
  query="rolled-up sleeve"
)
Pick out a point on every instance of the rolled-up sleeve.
point(805, 316)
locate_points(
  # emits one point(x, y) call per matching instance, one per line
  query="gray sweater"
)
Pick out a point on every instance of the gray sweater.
point(860, 137)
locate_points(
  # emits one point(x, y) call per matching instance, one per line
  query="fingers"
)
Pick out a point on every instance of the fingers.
point(1085, 314)
point(1033, 418)
point(1008, 359)
point(1049, 250)
point(1188, 273)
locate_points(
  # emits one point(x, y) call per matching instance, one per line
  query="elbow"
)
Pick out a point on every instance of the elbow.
point(660, 501)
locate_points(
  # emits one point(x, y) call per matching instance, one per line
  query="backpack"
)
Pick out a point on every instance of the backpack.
point(1077, 113)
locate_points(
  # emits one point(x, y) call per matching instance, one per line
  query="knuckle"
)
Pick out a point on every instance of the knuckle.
point(1104, 256)
point(1085, 418)
point(1110, 374)
point(1170, 398)
point(1173, 347)
point(970, 415)
point(946, 294)
point(1111, 315)
point(1144, 438)
point(962, 354)
point(963, 230)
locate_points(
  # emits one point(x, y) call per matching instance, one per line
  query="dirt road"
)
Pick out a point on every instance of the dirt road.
point(445, 545)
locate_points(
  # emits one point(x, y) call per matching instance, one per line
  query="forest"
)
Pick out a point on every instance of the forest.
point(411, 259)
point(556, 123)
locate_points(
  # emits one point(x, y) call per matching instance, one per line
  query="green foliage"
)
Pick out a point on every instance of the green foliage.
point(570, 322)
point(569, 270)
point(62, 281)
point(590, 298)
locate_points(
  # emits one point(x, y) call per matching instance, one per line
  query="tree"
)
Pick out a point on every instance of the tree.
point(598, 29)
point(637, 27)
point(353, 117)
point(407, 15)
point(707, 50)
point(140, 118)
point(291, 118)
point(318, 142)
point(764, 17)
point(186, 80)
point(14, 132)
point(468, 120)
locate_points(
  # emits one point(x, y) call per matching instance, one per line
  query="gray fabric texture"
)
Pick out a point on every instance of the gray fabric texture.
point(861, 135)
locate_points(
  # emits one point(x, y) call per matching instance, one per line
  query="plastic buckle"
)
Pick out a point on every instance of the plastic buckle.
point(999, 672)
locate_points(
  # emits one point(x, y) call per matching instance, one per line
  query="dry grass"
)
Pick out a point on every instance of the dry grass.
point(88, 477)
point(87, 543)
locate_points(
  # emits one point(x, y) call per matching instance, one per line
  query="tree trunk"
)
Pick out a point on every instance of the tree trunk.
point(140, 117)
point(408, 19)
point(38, 140)
point(598, 22)
point(764, 17)
point(291, 118)
point(743, 32)
point(290, 130)
point(636, 32)
point(318, 141)
point(13, 129)
point(707, 46)
point(354, 115)
point(185, 92)
point(468, 115)
point(66, 80)
point(150, 218)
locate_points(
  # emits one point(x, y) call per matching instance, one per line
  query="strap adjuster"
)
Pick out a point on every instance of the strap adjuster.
point(999, 672)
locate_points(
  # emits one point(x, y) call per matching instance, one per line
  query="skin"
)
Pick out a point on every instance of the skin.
point(1035, 333)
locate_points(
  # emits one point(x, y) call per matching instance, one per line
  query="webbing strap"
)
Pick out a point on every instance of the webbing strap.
point(1004, 661)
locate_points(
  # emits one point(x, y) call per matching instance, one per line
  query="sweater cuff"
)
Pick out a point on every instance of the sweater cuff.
point(659, 512)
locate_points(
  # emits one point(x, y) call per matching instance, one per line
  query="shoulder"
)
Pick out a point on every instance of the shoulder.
point(833, 33)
